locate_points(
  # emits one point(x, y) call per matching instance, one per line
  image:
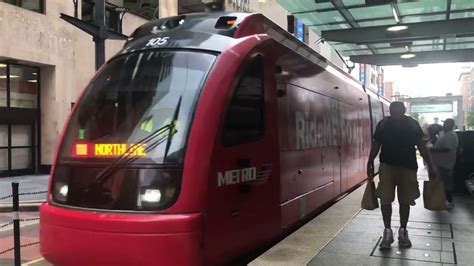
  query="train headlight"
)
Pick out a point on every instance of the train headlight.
point(61, 191)
point(157, 188)
point(150, 195)
point(64, 190)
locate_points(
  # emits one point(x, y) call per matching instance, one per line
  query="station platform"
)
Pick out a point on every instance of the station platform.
point(344, 234)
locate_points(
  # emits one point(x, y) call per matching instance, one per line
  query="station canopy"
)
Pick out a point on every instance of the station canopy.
point(391, 32)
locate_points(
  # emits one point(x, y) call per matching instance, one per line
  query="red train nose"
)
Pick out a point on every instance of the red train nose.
point(125, 239)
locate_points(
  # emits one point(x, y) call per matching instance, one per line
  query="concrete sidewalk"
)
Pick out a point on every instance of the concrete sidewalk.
point(301, 246)
point(32, 189)
point(346, 235)
point(438, 238)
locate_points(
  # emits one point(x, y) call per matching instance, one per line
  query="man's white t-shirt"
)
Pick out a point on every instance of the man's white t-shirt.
point(446, 160)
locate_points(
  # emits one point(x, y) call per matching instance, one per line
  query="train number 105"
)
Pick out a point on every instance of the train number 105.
point(157, 41)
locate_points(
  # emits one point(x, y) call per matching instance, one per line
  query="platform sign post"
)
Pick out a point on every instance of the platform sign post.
point(100, 39)
point(16, 224)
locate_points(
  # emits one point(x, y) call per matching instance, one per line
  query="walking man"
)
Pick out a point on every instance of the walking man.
point(444, 157)
point(397, 135)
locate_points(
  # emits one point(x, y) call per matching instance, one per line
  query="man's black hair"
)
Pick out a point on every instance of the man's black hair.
point(397, 107)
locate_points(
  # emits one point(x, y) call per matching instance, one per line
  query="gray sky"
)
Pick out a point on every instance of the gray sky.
point(427, 80)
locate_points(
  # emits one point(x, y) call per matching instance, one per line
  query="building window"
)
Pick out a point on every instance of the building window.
point(3, 147)
point(33, 5)
point(18, 118)
point(23, 86)
point(18, 86)
point(3, 86)
point(373, 79)
point(245, 120)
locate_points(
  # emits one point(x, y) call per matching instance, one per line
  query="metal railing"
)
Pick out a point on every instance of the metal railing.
point(17, 246)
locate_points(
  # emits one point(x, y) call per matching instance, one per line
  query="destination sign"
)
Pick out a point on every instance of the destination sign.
point(440, 107)
point(108, 150)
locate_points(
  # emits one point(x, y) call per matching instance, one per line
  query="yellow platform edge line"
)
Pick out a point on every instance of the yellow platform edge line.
point(32, 262)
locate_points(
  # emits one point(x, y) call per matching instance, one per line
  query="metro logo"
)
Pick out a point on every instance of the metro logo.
point(236, 176)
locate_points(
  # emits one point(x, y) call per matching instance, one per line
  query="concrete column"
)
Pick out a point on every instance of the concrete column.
point(460, 118)
point(168, 8)
point(50, 126)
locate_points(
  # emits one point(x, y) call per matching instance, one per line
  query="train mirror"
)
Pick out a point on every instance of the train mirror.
point(281, 93)
point(278, 70)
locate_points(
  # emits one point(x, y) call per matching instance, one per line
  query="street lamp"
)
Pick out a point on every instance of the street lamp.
point(122, 11)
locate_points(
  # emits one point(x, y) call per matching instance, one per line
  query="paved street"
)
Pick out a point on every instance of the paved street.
point(28, 184)
point(29, 229)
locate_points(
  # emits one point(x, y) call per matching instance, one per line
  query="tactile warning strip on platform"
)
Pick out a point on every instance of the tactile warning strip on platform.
point(426, 241)
point(427, 249)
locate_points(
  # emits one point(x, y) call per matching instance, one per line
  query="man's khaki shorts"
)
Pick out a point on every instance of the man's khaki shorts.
point(402, 178)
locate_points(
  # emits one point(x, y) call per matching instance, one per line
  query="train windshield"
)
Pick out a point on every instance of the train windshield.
point(132, 121)
point(133, 97)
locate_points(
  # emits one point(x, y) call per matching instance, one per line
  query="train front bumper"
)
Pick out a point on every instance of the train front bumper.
point(73, 237)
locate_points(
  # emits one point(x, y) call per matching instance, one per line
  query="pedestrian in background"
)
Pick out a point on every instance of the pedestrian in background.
point(434, 131)
point(397, 136)
point(444, 157)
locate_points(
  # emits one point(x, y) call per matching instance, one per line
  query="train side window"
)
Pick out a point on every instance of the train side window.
point(245, 120)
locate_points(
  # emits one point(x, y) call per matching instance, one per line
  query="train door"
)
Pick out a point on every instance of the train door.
point(367, 132)
point(360, 142)
point(244, 187)
point(345, 149)
point(337, 171)
point(353, 159)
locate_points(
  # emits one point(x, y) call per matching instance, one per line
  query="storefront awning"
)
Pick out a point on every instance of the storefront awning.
point(391, 32)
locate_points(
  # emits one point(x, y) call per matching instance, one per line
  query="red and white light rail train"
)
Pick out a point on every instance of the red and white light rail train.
point(205, 137)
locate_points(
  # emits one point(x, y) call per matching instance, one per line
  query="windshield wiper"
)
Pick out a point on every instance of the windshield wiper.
point(126, 158)
point(172, 129)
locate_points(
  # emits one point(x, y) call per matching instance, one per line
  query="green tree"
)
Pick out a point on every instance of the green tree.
point(470, 119)
point(419, 117)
